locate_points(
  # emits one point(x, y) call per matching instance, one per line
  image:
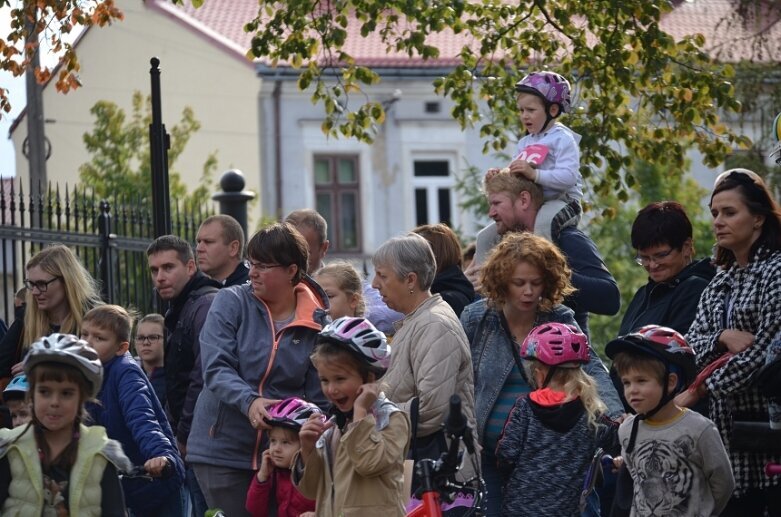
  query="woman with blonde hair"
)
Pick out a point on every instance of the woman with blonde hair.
point(59, 292)
point(525, 280)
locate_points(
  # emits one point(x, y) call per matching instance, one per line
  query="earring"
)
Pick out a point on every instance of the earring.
point(411, 291)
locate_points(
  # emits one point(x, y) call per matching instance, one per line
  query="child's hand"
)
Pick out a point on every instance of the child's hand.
point(367, 395)
point(524, 169)
point(266, 465)
point(309, 434)
point(155, 466)
point(490, 173)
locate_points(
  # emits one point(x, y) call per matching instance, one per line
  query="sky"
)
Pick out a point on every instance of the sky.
point(16, 88)
point(17, 95)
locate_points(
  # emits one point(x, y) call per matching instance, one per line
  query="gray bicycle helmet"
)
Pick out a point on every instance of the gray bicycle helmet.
point(67, 349)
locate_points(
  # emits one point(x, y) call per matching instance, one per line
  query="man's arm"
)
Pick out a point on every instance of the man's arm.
point(196, 374)
point(597, 289)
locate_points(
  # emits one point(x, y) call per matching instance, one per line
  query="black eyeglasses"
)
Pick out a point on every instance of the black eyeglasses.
point(41, 285)
point(151, 338)
point(643, 260)
point(263, 267)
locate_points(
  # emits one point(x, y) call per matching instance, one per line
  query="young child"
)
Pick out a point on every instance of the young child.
point(552, 434)
point(55, 465)
point(132, 415)
point(675, 456)
point(548, 155)
point(15, 397)
point(354, 463)
point(342, 284)
point(286, 419)
point(150, 341)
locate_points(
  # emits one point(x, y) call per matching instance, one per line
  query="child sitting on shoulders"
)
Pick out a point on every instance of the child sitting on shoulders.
point(675, 456)
point(273, 479)
point(132, 415)
point(548, 155)
point(353, 464)
point(15, 398)
point(55, 465)
point(552, 434)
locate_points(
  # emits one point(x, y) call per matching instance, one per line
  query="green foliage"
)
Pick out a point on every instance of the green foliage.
point(612, 236)
point(120, 155)
point(639, 93)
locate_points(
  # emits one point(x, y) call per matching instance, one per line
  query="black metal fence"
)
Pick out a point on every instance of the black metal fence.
point(110, 238)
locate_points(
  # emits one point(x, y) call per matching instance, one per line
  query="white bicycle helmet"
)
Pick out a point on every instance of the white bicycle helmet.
point(362, 338)
point(67, 349)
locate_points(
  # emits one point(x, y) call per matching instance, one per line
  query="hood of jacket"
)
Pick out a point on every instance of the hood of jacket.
point(453, 279)
point(559, 417)
point(196, 282)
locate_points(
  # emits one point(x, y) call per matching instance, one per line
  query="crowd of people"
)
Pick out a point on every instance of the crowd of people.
point(280, 383)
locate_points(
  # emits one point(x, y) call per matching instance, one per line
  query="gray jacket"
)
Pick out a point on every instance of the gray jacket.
point(243, 360)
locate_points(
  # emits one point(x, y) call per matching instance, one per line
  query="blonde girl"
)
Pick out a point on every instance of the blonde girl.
point(551, 434)
point(342, 284)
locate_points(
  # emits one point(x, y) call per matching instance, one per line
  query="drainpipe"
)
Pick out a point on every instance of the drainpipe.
point(277, 94)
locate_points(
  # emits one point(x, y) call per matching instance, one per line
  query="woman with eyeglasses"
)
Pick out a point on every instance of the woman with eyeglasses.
point(740, 313)
point(662, 236)
point(59, 292)
point(255, 348)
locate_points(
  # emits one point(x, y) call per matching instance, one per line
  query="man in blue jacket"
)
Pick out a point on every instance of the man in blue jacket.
point(513, 205)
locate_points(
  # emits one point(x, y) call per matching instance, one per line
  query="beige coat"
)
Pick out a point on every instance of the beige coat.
point(359, 473)
point(431, 360)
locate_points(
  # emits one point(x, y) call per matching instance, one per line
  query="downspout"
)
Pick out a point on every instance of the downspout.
point(277, 94)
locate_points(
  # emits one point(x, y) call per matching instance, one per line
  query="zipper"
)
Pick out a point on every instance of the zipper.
point(275, 346)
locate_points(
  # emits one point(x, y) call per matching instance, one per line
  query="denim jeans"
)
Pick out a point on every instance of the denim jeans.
point(197, 504)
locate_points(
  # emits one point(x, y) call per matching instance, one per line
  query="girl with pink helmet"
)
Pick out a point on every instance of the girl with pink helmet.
point(272, 482)
point(553, 433)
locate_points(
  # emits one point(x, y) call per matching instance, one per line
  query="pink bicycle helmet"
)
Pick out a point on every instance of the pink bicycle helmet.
point(556, 344)
point(551, 87)
point(362, 338)
point(291, 413)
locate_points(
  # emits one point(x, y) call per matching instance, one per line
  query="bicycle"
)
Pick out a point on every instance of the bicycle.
point(438, 483)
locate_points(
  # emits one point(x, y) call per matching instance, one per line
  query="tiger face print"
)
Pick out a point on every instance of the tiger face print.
point(664, 478)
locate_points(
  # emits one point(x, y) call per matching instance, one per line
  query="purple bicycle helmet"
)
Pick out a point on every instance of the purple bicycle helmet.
point(556, 344)
point(361, 338)
point(551, 87)
point(291, 413)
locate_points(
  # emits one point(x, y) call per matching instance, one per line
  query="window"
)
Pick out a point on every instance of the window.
point(337, 198)
point(433, 185)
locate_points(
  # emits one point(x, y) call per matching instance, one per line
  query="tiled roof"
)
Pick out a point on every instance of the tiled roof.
point(726, 37)
point(223, 21)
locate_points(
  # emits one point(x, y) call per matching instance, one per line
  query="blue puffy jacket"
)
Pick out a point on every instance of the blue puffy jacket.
point(133, 416)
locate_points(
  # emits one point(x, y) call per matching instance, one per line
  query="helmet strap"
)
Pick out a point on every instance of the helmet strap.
point(666, 398)
point(549, 376)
